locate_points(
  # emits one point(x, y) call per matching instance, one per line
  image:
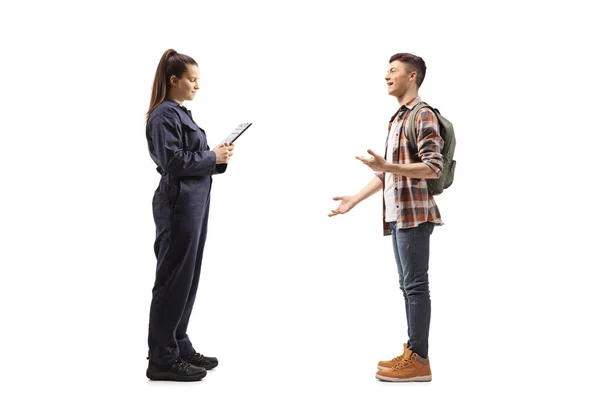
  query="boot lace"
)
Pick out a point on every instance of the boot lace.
point(181, 365)
point(402, 363)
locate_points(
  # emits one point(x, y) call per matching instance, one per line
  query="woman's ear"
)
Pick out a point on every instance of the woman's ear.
point(173, 80)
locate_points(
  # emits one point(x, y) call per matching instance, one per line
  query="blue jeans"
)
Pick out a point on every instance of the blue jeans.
point(411, 249)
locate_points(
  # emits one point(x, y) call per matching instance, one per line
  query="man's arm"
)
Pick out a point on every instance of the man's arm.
point(430, 145)
point(415, 170)
point(374, 186)
point(348, 202)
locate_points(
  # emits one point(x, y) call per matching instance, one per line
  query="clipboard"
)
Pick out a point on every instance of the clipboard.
point(241, 128)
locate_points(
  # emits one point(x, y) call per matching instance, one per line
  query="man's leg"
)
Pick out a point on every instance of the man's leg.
point(400, 274)
point(413, 251)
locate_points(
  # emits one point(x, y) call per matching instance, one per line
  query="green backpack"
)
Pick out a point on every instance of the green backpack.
point(435, 186)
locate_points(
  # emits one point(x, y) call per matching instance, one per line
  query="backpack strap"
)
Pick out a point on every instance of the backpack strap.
point(411, 130)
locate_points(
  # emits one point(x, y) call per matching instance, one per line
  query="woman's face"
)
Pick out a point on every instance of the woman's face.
point(186, 87)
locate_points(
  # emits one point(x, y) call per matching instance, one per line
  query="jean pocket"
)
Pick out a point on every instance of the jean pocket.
point(426, 227)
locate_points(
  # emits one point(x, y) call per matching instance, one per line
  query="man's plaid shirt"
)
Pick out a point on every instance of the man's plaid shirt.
point(414, 203)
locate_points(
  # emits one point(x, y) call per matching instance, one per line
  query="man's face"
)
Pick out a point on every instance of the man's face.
point(398, 79)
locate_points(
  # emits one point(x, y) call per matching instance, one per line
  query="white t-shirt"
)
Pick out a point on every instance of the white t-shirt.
point(389, 196)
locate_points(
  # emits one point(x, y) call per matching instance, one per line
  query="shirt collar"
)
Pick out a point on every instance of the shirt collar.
point(175, 103)
point(178, 105)
point(408, 106)
point(171, 101)
point(411, 104)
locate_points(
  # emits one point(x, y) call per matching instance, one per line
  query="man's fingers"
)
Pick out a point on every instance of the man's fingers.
point(371, 152)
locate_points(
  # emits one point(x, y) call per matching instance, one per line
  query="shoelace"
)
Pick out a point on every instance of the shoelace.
point(197, 357)
point(397, 359)
point(402, 363)
point(181, 365)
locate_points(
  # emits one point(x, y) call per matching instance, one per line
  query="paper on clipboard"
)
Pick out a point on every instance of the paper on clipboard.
point(241, 128)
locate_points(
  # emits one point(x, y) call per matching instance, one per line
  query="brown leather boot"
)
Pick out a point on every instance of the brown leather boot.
point(411, 368)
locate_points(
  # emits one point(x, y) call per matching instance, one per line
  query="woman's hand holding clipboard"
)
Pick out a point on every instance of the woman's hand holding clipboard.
point(224, 151)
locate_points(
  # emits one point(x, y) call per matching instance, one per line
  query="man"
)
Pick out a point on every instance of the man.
point(410, 211)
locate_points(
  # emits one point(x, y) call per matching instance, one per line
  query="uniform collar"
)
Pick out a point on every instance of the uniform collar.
point(171, 101)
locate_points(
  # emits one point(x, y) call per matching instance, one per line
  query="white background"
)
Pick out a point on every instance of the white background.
point(295, 304)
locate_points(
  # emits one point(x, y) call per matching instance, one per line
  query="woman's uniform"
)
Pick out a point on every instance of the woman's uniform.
point(181, 203)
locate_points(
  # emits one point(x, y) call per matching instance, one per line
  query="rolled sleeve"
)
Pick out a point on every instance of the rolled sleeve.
point(429, 140)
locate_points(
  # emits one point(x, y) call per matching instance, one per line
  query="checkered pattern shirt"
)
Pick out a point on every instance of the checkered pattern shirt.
point(414, 203)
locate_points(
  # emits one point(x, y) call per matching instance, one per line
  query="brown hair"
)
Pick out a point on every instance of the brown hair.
point(171, 63)
point(413, 64)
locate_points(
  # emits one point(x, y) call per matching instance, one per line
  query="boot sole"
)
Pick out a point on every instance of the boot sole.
point(165, 376)
point(426, 378)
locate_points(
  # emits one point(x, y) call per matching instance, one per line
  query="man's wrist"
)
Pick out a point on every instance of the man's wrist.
point(388, 167)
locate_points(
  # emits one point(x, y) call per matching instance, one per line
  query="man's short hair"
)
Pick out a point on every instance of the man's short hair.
point(413, 64)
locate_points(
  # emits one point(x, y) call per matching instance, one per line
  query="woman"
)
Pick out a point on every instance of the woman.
point(181, 202)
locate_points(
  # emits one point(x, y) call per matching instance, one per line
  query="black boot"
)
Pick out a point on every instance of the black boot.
point(198, 360)
point(178, 370)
